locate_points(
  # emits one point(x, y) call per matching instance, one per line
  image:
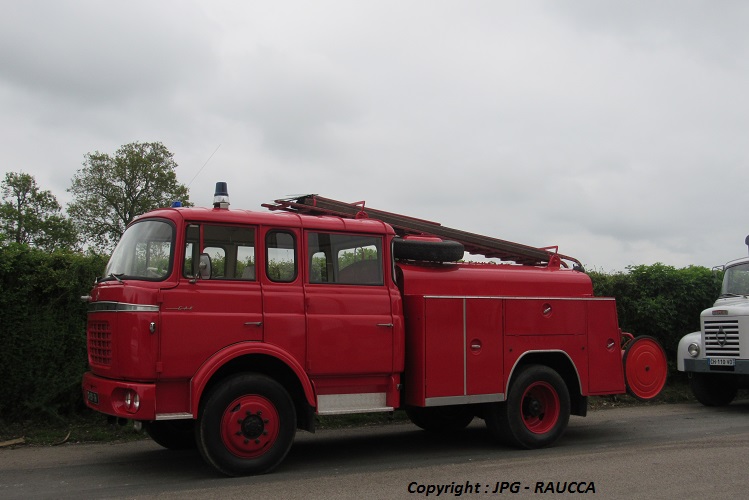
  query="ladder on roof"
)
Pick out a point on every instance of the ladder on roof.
point(403, 225)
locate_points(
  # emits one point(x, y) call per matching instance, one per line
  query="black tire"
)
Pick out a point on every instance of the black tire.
point(440, 419)
point(246, 425)
point(431, 251)
point(172, 434)
point(536, 412)
point(713, 389)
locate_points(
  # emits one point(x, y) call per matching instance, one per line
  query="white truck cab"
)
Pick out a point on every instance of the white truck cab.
point(717, 357)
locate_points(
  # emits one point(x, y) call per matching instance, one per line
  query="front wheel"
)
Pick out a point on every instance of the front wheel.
point(713, 389)
point(246, 425)
point(536, 412)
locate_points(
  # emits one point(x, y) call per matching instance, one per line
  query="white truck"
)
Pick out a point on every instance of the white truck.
point(717, 357)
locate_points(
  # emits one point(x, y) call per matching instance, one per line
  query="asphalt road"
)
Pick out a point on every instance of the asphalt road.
point(666, 451)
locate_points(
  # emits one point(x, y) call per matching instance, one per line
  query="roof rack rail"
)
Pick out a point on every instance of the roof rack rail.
point(312, 204)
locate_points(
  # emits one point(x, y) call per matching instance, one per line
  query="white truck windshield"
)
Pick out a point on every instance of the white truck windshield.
point(736, 281)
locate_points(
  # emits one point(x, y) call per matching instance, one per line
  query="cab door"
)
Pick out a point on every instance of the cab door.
point(202, 315)
point(350, 327)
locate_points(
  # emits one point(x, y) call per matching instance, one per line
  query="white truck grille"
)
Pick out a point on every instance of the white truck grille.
point(722, 337)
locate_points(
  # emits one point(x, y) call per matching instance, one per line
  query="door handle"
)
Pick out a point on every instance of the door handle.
point(386, 325)
point(253, 323)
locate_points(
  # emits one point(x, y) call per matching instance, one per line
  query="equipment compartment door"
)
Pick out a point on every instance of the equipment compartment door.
point(463, 349)
point(605, 370)
point(484, 346)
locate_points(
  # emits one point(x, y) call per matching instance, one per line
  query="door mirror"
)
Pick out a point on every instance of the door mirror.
point(204, 266)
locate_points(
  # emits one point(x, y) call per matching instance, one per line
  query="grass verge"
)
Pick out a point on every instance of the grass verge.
point(88, 427)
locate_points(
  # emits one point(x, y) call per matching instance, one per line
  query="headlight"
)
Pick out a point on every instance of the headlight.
point(694, 349)
point(132, 401)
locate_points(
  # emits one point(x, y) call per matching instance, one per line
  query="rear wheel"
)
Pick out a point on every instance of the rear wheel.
point(172, 434)
point(713, 389)
point(536, 412)
point(440, 419)
point(246, 425)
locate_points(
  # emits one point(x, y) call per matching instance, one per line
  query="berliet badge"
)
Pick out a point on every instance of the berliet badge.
point(721, 337)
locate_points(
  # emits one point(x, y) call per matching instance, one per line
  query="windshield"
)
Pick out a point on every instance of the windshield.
point(144, 252)
point(736, 280)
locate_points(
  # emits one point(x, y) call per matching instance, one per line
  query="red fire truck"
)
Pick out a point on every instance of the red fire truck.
point(230, 329)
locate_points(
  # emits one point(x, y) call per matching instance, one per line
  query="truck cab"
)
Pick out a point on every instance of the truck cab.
point(716, 358)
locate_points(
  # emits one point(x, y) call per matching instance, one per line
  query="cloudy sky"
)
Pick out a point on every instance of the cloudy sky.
point(616, 130)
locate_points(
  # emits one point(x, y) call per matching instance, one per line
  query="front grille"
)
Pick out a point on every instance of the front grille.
point(99, 343)
point(722, 338)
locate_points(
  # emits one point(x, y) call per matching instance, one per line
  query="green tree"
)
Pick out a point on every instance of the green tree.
point(110, 191)
point(33, 217)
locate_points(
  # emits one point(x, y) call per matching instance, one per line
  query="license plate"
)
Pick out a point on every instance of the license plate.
point(93, 397)
point(722, 362)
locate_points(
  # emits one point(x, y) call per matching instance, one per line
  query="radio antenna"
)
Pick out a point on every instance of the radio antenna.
point(204, 164)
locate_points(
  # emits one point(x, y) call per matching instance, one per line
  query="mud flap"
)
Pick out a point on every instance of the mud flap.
point(645, 368)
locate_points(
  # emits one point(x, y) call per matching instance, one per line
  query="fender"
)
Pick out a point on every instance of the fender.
point(682, 351)
point(214, 363)
point(551, 351)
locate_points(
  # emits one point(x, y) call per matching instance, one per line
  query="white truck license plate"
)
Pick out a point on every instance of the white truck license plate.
point(722, 362)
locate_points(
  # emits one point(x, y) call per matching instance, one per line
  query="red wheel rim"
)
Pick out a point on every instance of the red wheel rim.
point(540, 407)
point(249, 426)
point(645, 367)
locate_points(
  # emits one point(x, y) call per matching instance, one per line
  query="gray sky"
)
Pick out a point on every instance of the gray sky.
point(616, 130)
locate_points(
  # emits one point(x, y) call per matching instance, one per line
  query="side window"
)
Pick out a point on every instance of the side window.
point(230, 248)
point(345, 258)
point(280, 251)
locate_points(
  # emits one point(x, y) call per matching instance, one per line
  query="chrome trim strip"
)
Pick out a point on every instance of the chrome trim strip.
point(465, 351)
point(515, 298)
point(173, 416)
point(364, 410)
point(464, 400)
point(108, 306)
point(341, 404)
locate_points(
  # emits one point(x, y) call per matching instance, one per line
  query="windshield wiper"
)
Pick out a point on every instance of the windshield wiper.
point(116, 276)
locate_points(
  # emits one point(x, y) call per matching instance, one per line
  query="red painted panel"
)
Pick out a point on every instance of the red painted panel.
point(415, 365)
point(444, 347)
point(494, 280)
point(484, 346)
point(173, 397)
point(349, 330)
point(199, 319)
point(605, 370)
point(545, 317)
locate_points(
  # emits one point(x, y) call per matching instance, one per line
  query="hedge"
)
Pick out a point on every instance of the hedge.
point(660, 300)
point(43, 331)
point(43, 321)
